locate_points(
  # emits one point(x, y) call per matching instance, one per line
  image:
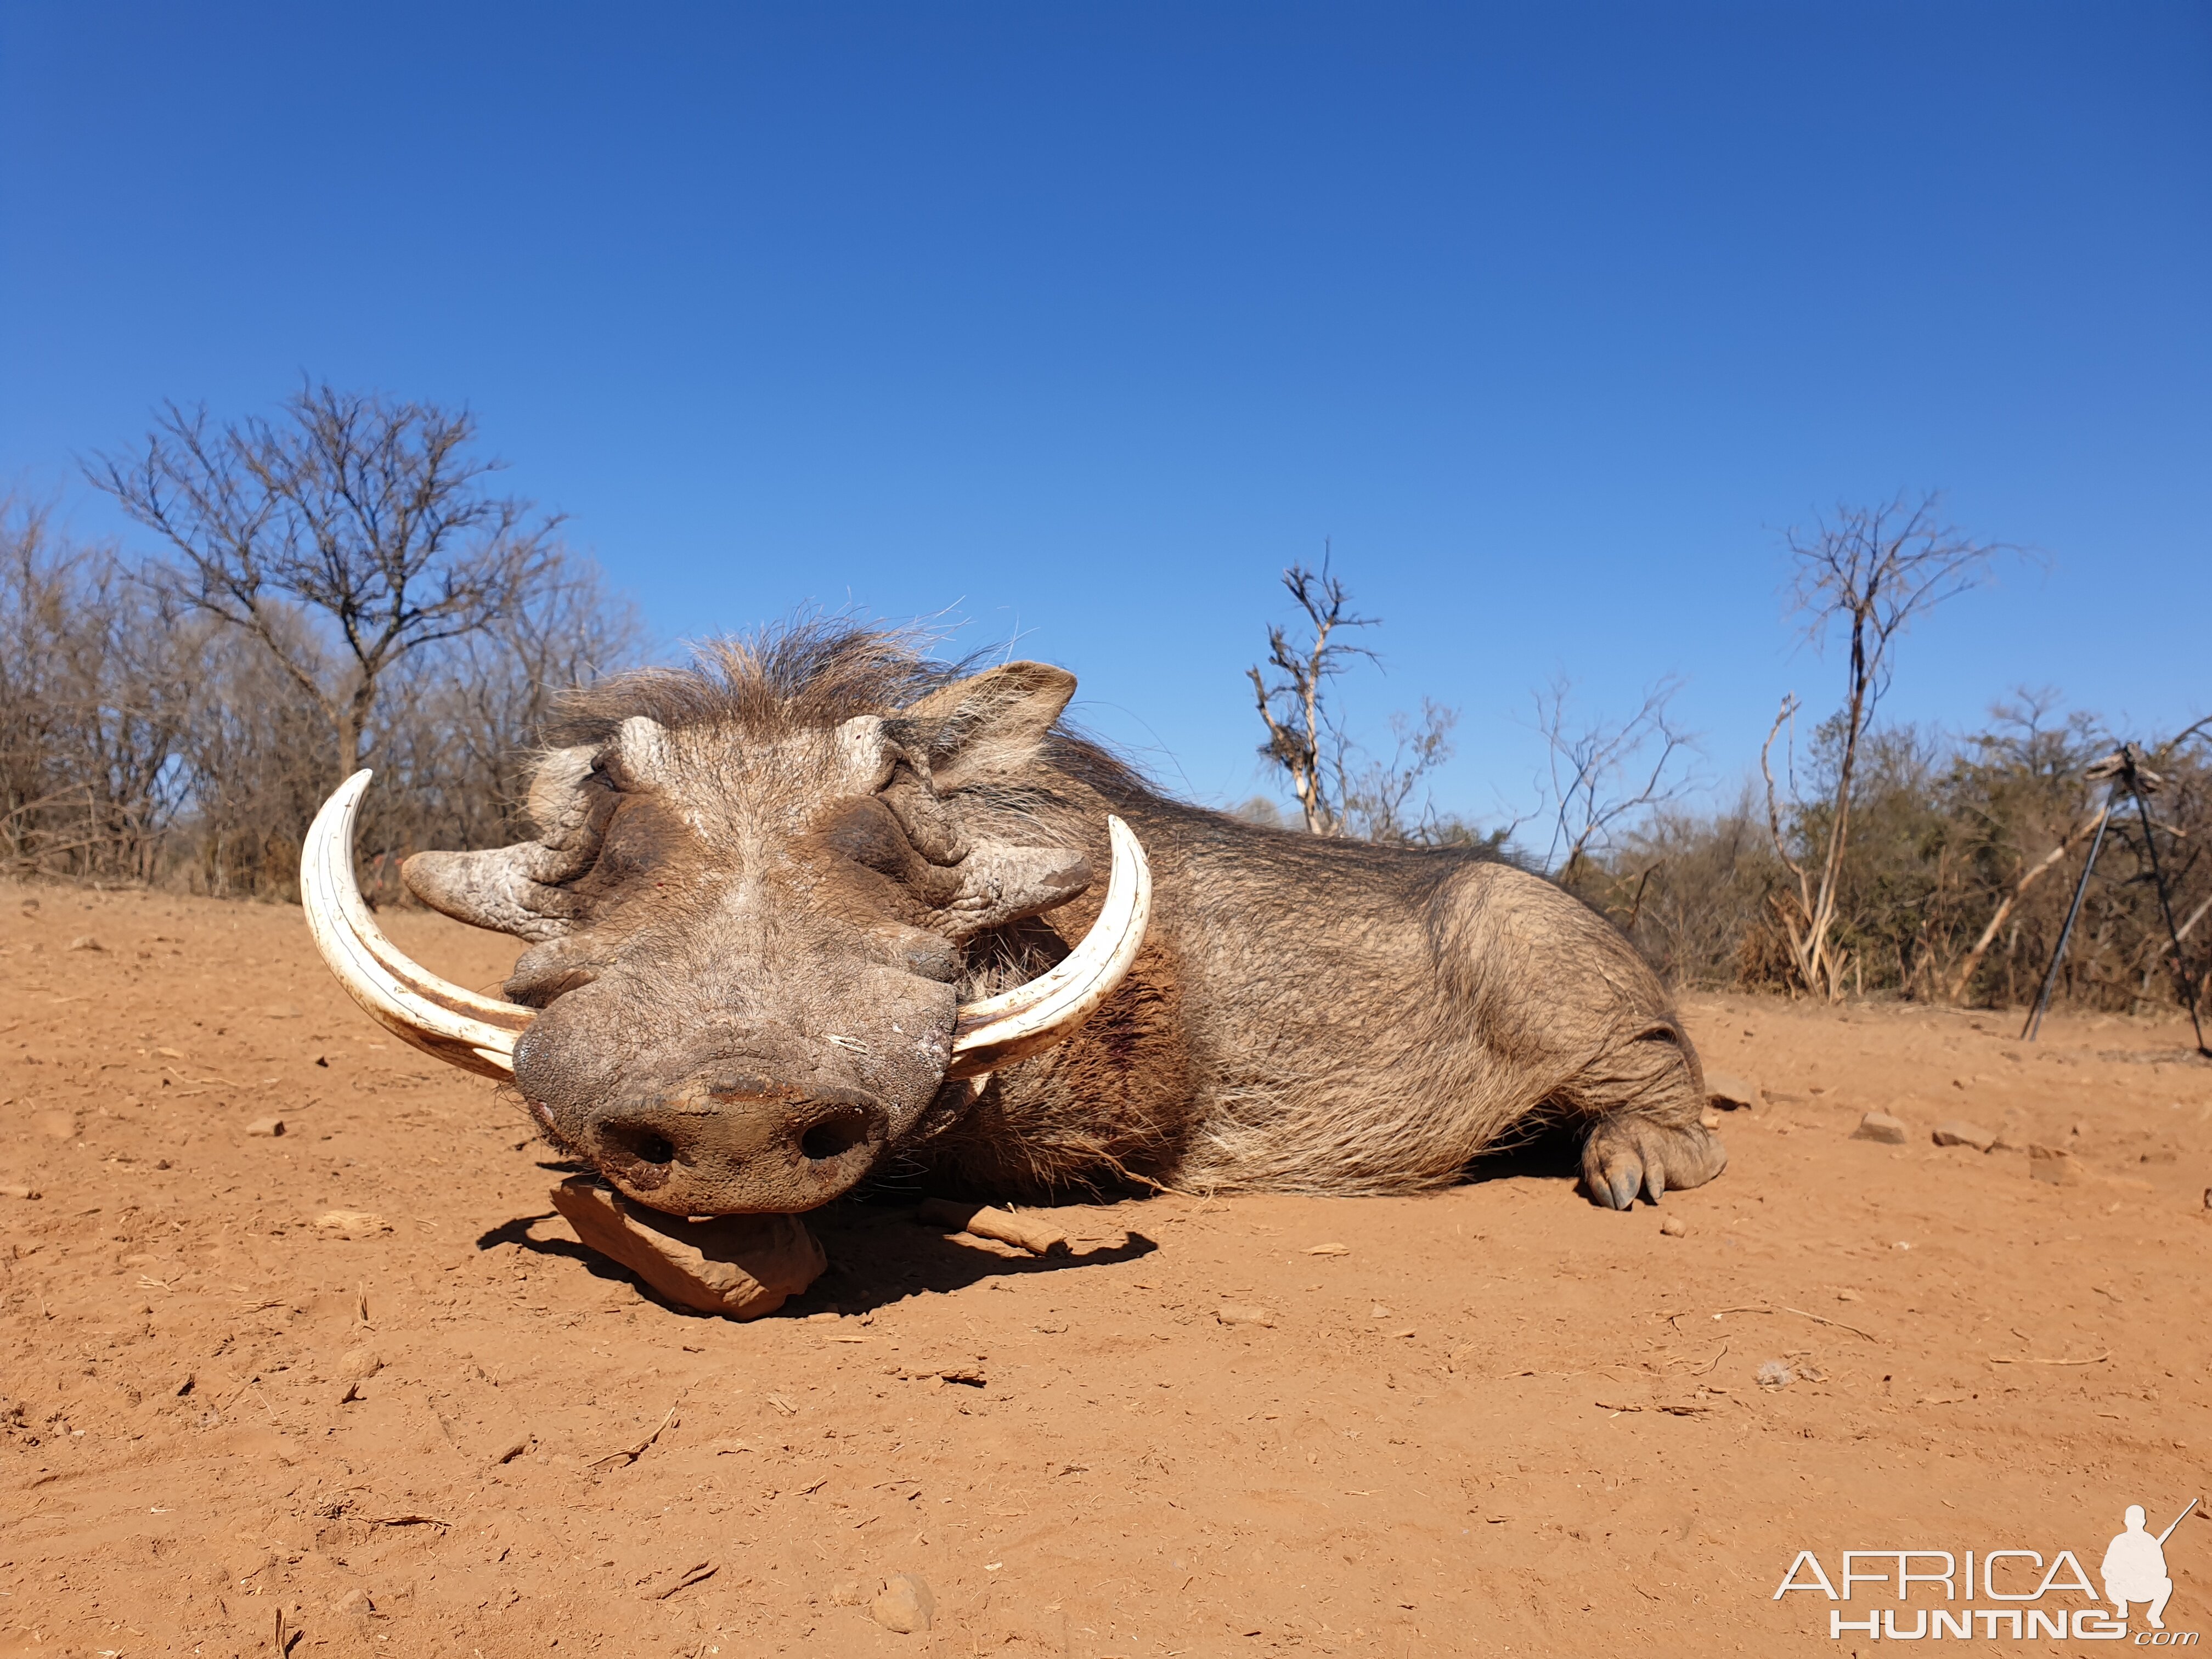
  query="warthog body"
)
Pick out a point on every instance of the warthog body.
point(762, 887)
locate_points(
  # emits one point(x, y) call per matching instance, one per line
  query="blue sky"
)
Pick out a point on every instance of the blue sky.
point(1082, 321)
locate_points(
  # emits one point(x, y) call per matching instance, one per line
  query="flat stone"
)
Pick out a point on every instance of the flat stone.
point(905, 1605)
point(268, 1127)
point(1021, 1231)
point(741, 1266)
point(352, 1224)
point(1236, 1313)
point(1959, 1133)
point(1881, 1125)
point(2053, 1164)
point(1732, 1093)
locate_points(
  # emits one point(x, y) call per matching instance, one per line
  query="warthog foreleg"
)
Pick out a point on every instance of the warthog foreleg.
point(1644, 1098)
point(1626, 1154)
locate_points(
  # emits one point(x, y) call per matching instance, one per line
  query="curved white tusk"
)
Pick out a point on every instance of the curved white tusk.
point(997, 1030)
point(474, 1032)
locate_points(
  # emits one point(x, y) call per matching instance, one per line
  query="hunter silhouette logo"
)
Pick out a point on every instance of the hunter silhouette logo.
point(2135, 1567)
point(2134, 1570)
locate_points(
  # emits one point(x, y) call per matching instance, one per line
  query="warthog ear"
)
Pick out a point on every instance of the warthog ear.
point(989, 720)
point(515, 890)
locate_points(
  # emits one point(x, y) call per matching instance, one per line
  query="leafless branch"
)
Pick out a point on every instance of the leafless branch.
point(362, 515)
point(1301, 737)
point(1606, 774)
point(1872, 570)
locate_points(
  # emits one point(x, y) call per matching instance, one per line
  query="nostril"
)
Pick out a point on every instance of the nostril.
point(642, 1142)
point(832, 1136)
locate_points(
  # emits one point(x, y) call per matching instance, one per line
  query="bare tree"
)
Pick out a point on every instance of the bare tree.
point(1302, 739)
point(366, 514)
point(1376, 797)
point(1872, 570)
point(1606, 775)
point(94, 706)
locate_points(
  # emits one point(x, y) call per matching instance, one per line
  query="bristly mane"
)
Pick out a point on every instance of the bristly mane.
point(809, 674)
point(814, 673)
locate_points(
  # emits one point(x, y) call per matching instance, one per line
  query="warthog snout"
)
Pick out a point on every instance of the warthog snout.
point(727, 1141)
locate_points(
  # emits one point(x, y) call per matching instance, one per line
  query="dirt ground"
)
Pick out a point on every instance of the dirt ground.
point(1493, 1420)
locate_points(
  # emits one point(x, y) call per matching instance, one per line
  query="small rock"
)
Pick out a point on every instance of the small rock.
point(267, 1127)
point(743, 1266)
point(2208, 1197)
point(1038, 1237)
point(1775, 1375)
point(852, 1593)
point(1959, 1133)
point(1709, 1118)
point(1734, 1093)
point(59, 1126)
point(513, 1450)
point(352, 1224)
point(1881, 1126)
point(2053, 1164)
point(13, 1191)
point(905, 1605)
point(1236, 1313)
point(86, 942)
point(1674, 1227)
point(359, 1365)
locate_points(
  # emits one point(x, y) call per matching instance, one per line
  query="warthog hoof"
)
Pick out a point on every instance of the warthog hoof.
point(1624, 1155)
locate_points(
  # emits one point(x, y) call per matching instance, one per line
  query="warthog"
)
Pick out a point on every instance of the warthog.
point(805, 912)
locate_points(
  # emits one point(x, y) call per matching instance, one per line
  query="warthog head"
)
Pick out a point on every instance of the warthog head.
point(755, 901)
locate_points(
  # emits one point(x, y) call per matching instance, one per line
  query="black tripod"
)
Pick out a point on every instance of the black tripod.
point(2123, 773)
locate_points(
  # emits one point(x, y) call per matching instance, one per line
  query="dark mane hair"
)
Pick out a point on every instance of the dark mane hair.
point(811, 673)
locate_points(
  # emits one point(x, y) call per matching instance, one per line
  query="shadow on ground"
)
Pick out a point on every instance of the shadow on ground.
point(878, 1258)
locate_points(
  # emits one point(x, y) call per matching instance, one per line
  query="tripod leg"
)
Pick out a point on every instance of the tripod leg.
point(2184, 980)
point(2072, 911)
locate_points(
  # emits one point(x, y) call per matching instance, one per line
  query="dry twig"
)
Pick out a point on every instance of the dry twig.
point(630, 1454)
point(2022, 1359)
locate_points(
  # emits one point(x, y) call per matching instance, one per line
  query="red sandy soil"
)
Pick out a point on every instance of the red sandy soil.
point(1498, 1420)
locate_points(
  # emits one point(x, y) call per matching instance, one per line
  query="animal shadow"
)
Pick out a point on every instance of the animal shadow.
point(1548, 1149)
point(878, 1258)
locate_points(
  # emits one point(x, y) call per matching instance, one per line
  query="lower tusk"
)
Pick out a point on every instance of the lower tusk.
point(472, 1031)
point(997, 1030)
